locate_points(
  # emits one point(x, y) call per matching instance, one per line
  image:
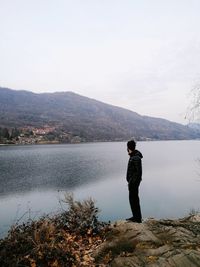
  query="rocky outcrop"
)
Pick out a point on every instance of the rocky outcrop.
point(152, 243)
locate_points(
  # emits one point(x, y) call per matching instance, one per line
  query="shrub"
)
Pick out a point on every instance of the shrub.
point(81, 216)
point(67, 239)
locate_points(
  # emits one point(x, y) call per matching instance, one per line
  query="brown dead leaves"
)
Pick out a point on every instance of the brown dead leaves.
point(53, 242)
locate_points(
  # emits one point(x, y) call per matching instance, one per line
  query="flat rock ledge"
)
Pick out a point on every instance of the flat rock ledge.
point(152, 243)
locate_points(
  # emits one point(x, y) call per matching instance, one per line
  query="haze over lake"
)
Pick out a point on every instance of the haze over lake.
point(33, 179)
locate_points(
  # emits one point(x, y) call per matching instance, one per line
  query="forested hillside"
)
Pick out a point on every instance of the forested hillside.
point(89, 119)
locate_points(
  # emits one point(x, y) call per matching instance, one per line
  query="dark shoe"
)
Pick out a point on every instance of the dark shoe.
point(132, 219)
point(136, 221)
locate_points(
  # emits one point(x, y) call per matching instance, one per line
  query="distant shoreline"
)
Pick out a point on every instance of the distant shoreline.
point(100, 141)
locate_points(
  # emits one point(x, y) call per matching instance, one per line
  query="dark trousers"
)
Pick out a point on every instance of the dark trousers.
point(135, 201)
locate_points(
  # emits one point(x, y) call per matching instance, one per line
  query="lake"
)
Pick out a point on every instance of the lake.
point(34, 179)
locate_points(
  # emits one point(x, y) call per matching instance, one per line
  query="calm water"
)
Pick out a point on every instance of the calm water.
point(33, 179)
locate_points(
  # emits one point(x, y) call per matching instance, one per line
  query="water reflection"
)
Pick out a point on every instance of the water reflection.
point(57, 167)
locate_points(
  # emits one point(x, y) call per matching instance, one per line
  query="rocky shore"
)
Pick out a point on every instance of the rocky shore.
point(153, 243)
point(76, 238)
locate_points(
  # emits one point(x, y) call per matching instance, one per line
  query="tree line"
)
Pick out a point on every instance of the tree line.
point(14, 133)
point(6, 133)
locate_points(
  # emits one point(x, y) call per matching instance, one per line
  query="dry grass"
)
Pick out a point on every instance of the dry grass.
point(67, 239)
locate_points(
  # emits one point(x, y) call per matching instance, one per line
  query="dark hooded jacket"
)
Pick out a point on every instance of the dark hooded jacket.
point(134, 170)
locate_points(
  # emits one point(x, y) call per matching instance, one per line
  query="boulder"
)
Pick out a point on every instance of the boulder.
point(152, 243)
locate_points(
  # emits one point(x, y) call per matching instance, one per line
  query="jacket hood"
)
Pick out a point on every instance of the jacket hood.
point(137, 153)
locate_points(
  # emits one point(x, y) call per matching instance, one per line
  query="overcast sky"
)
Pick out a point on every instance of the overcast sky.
point(143, 55)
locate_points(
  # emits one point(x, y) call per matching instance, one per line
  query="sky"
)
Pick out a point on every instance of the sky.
point(143, 55)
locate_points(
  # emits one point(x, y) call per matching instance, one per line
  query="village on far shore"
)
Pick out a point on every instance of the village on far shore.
point(47, 135)
point(32, 135)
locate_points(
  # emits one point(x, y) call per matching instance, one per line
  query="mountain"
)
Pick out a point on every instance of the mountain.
point(81, 116)
point(194, 125)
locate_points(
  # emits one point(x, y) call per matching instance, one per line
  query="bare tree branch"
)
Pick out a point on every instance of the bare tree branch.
point(193, 112)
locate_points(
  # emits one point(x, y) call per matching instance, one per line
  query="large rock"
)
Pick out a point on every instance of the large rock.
point(153, 243)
